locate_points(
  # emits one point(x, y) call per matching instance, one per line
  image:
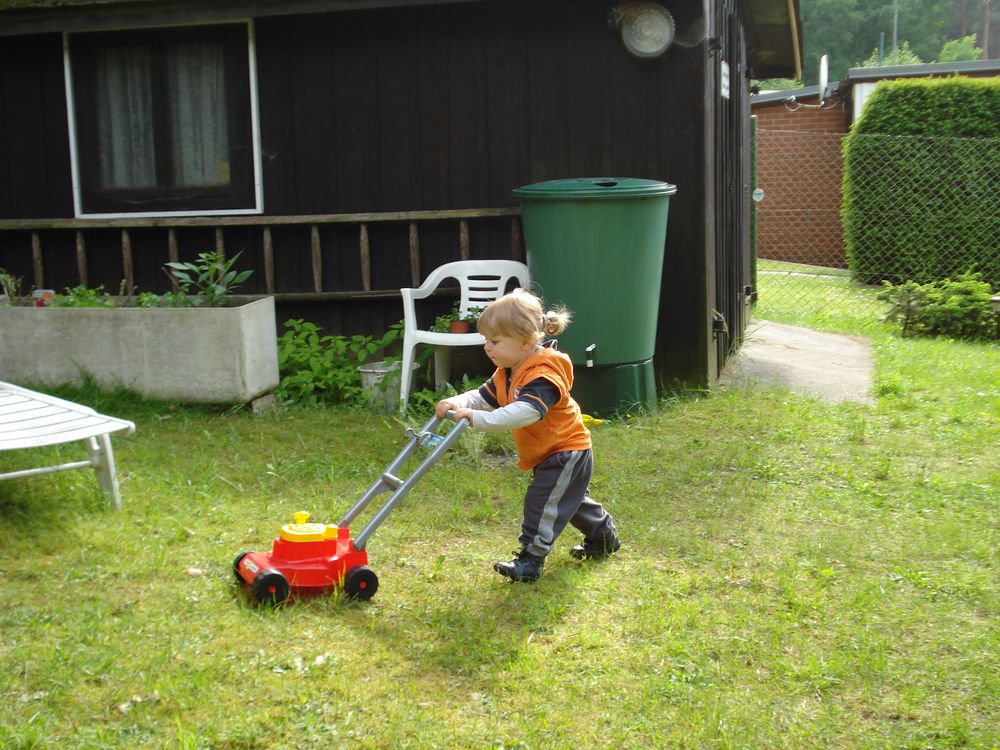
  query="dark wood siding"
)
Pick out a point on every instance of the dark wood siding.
point(34, 145)
point(453, 106)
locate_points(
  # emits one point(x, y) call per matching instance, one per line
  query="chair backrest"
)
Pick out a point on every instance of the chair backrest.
point(481, 281)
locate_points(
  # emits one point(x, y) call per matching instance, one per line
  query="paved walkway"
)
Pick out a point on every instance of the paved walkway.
point(823, 365)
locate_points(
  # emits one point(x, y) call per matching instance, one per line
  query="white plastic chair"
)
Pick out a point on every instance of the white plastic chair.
point(481, 282)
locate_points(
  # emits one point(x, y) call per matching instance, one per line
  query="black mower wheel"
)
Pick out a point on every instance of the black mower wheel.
point(270, 587)
point(236, 566)
point(360, 583)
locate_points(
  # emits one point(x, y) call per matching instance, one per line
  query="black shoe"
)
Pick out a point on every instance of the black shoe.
point(524, 567)
point(595, 549)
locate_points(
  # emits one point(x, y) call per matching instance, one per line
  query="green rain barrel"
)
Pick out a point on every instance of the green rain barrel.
point(596, 246)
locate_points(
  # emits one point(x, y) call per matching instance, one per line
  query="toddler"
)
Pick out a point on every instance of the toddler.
point(529, 394)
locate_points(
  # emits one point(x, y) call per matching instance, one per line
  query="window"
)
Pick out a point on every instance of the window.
point(163, 120)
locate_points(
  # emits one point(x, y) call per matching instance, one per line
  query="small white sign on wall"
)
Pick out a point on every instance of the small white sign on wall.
point(724, 80)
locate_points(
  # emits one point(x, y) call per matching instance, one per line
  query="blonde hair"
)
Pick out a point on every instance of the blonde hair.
point(520, 315)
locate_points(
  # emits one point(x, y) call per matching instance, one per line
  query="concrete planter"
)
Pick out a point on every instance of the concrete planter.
point(209, 355)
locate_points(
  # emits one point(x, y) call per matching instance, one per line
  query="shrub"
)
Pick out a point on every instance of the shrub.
point(960, 308)
point(922, 182)
point(318, 368)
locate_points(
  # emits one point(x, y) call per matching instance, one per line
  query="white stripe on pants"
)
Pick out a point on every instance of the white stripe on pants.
point(558, 495)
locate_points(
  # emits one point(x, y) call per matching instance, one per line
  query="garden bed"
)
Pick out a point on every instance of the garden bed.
point(207, 355)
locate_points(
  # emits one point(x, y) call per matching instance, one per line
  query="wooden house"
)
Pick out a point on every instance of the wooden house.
point(348, 147)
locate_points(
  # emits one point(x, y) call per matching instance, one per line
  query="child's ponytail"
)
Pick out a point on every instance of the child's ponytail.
point(554, 322)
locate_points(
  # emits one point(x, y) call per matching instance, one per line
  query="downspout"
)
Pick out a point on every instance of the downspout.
point(753, 210)
point(711, 55)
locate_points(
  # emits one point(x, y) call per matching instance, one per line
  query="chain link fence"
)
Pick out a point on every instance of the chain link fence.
point(911, 230)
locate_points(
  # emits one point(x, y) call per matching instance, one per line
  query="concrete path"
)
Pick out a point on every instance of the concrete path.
point(829, 366)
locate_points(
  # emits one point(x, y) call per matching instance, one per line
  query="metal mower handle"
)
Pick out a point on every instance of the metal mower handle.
point(393, 484)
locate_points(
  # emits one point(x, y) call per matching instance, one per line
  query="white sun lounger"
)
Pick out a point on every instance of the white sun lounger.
point(29, 419)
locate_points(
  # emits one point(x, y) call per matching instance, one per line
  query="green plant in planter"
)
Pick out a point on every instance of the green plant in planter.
point(147, 299)
point(81, 296)
point(209, 281)
point(444, 323)
point(10, 288)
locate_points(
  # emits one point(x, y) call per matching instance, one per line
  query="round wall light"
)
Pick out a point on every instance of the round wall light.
point(647, 28)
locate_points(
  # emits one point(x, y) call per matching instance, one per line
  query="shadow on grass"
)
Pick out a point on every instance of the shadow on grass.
point(489, 624)
point(482, 622)
point(36, 505)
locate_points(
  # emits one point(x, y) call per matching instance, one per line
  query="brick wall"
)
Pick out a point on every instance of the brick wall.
point(799, 170)
point(776, 116)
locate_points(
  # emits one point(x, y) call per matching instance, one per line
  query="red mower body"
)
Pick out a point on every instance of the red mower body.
point(307, 559)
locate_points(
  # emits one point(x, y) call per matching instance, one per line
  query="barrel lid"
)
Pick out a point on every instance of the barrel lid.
point(595, 187)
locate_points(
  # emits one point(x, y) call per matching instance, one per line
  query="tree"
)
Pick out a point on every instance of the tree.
point(984, 32)
point(960, 49)
point(832, 27)
point(847, 30)
point(901, 56)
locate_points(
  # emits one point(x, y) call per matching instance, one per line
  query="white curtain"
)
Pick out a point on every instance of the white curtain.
point(125, 118)
point(196, 103)
point(197, 93)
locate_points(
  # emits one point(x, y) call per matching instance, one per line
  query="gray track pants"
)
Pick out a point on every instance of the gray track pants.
point(556, 496)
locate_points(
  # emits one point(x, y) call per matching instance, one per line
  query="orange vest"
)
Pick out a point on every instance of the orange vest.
point(561, 429)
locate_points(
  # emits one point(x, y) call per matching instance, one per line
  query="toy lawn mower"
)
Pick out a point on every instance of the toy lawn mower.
point(314, 558)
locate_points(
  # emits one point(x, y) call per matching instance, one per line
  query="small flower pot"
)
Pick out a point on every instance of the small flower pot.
point(459, 326)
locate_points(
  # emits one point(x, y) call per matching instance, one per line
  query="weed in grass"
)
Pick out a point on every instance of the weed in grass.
point(881, 468)
point(889, 385)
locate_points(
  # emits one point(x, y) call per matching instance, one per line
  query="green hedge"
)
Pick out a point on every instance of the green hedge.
point(922, 182)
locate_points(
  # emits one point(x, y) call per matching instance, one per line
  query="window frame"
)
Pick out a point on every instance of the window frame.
point(243, 195)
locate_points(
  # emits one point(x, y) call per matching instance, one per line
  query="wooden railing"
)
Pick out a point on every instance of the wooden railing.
point(37, 228)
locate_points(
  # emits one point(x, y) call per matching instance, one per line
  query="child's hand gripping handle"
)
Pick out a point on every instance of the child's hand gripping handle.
point(463, 421)
point(431, 441)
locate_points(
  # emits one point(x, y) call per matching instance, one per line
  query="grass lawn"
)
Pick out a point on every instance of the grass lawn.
point(795, 574)
point(825, 299)
point(781, 266)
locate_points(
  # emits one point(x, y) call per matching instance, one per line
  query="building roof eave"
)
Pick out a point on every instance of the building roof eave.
point(19, 17)
point(769, 97)
point(861, 75)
